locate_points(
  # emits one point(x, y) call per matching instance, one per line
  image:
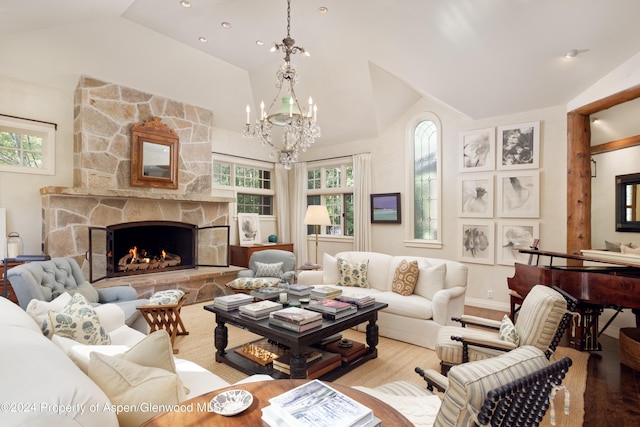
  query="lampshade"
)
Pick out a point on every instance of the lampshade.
point(317, 215)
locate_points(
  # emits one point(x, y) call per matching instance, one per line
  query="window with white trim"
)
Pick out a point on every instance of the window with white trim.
point(331, 184)
point(26, 146)
point(251, 182)
point(424, 144)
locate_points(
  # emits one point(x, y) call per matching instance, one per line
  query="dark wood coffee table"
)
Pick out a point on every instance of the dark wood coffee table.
point(196, 414)
point(297, 342)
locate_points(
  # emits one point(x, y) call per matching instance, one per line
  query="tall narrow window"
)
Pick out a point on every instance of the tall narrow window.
point(424, 145)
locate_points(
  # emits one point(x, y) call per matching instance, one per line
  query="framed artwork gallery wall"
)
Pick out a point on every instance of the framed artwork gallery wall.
point(499, 193)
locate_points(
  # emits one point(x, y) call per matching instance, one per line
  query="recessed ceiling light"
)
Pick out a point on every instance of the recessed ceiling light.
point(570, 54)
point(226, 25)
point(203, 39)
point(322, 10)
point(259, 42)
point(185, 3)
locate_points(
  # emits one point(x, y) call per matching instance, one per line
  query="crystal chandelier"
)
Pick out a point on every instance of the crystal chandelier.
point(298, 128)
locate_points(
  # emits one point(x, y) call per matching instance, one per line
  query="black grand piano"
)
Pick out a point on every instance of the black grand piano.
point(615, 285)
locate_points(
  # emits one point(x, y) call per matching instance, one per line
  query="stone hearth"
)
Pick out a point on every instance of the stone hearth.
point(102, 193)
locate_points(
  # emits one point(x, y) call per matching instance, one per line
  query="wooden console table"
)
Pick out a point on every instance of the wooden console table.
point(240, 254)
point(196, 414)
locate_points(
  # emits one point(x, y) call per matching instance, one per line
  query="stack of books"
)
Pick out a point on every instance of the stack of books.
point(332, 309)
point(349, 350)
point(232, 302)
point(266, 293)
point(259, 310)
point(361, 300)
point(295, 319)
point(316, 404)
point(283, 362)
point(300, 290)
point(318, 363)
point(325, 292)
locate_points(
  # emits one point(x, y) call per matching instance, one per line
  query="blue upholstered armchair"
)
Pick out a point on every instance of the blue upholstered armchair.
point(46, 280)
point(264, 264)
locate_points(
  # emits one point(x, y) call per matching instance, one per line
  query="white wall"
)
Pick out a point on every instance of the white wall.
point(19, 192)
point(388, 153)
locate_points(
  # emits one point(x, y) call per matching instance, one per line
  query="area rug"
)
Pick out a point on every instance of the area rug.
point(395, 362)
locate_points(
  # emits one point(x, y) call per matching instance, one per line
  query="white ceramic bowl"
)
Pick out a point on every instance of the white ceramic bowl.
point(231, 402)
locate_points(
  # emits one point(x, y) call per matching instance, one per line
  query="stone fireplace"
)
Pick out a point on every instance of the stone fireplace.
point(102, 196)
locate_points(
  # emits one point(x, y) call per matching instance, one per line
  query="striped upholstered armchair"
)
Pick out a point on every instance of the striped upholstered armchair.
point(514, 389)
point(543, 318)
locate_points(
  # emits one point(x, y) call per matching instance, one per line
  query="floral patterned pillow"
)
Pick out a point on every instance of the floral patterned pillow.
point(353, 274)
point(508, 331)
point(168, 297)
point(77, 321)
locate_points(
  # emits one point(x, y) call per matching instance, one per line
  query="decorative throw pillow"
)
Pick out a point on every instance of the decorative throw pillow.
point(353, 274)
point(268, 270)
point(405, 277)
point(86, 289)
point(330, 274)
point(80, 353)
point(250, 283)
point(168, 297)
point(144, 374)
point(77, 321)
point(39, 310)
point(430, 280)
point(508, 331)
point(629, 250)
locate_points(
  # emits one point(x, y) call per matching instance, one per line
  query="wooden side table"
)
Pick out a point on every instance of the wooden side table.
point(196, 410)
point(240, 254)
point(166, 317)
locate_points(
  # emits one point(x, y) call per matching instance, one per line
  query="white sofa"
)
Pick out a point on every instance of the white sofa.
point(416, 318)
point(42, 386)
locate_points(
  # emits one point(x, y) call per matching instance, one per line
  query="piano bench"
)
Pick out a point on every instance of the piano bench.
point(630, 347)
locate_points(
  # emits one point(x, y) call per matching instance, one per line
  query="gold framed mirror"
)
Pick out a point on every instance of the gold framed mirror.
point(154, 155)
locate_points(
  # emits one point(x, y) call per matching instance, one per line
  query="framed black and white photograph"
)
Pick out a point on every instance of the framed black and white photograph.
point(519, 146)
point(512, 235)
point(249, 228)
point(385, 208)
point(477, 241)
point(478, 149)
point(476, 196)
point(518, 194)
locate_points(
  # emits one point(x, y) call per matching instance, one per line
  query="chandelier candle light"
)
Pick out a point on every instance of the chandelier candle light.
point(299, 128)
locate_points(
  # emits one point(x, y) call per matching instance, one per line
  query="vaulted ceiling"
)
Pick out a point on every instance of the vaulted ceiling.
point(372, 59)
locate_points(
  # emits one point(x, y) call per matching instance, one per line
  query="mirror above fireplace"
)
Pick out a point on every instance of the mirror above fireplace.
point(154, 155)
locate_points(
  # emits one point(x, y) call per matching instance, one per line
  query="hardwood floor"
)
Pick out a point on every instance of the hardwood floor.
point(612, 396)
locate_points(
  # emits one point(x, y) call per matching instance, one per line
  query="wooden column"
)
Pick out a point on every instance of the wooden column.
point(579, 167)
point(578, 183)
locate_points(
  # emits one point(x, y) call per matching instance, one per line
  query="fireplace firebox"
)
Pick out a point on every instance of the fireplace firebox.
point(154, 246)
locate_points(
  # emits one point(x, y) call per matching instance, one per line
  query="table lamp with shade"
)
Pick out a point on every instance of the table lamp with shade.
point(317, 215)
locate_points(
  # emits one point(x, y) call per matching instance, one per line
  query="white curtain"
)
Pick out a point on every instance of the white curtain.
point(282, 204)
point(298, 208)
point(362, 207)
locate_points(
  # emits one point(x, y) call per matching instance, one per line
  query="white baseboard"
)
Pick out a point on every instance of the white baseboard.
point(489, 305)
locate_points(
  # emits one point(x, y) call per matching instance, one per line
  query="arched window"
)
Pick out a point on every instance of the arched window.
point(424, 147)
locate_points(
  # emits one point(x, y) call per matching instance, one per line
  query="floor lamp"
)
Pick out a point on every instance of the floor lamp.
point(317, 215)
